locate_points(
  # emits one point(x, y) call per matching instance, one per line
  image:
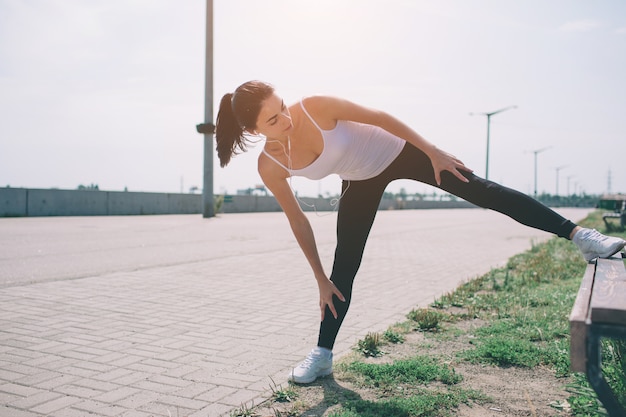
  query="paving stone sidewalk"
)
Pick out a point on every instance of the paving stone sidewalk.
point(191, 317)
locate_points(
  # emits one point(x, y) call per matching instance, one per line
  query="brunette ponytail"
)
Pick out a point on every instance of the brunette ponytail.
point(237, 114)
point(228, 132)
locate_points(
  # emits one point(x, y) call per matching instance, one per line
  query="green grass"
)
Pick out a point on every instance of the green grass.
point(370, 345)
point(393, 336)
point(416, 370)
point(283, 395)
point(427, 319)
point(524, 309)
point(527, 304)
point(422, 403)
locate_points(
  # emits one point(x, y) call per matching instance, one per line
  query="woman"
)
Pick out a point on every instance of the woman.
point(368, 149)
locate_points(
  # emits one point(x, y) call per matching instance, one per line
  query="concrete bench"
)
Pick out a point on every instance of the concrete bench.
point(599, 311)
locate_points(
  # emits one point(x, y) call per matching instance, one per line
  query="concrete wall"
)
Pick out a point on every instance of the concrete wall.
point(13, 202)
point(23, 202)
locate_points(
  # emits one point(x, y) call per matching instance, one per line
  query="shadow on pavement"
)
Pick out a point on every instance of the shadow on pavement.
point(334, 394)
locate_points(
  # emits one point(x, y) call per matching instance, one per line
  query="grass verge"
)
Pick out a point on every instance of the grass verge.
point(511, 319)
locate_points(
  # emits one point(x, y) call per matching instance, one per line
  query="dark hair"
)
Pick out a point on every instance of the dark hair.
point(238, 112)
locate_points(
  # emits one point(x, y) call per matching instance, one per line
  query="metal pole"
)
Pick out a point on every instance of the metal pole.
point(536, 174)
point(569, 177)
point(208, 205)
point(557, 183)
point(487, 159)
point(537, 152)
point(558, 169)
point(488, 129)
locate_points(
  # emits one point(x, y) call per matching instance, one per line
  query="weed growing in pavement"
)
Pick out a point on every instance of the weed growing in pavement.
point(244, 411)
point(282, 395)
point(426, 319)
point(370, 345)
point(393, 336)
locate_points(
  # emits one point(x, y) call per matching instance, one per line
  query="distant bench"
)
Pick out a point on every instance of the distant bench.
point(619, 212)
point(599, 311)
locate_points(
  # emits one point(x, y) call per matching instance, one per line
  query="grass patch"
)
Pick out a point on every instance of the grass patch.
point(370, 345)
point(416, 370)
point(283, 395)
point(393, 336)
point(504, 352)
point(526, 305)
point(427, 319)
point(423, 403)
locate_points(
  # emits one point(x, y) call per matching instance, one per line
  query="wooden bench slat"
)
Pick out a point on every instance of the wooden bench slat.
point(578, 322)
point(608, 300)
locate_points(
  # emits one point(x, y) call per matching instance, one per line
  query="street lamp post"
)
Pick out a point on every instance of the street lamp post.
point(488, 129)
point(536, 152)
point(557, 178)
point(569, 177)
point(208, 128)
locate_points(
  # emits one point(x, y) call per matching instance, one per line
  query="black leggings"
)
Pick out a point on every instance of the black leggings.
point(359, 205)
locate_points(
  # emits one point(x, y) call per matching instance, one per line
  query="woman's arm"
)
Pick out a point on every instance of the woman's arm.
point(275, 180)
point(332, 108)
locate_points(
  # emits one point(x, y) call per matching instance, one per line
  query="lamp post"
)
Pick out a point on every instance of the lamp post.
point(536, 152)
point(557, 178)
point(208, 128)
point(488, 129)
point(569, 177)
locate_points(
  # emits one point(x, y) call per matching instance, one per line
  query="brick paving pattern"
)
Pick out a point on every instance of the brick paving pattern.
point(191, 317)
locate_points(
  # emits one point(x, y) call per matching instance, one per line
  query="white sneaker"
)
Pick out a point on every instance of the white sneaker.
point(318, 363)
point(594, 244)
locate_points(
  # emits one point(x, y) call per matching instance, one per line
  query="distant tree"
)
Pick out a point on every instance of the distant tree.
point(402, 194)
point(91, 187)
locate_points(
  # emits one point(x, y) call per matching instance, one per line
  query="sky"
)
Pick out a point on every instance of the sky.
point(109, 92)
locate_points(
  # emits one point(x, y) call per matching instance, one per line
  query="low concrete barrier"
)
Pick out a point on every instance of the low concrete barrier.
point(13, 202)
point(24, 202)
point(66, 203)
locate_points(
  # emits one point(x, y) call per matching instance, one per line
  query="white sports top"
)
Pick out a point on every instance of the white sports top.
point(354, 151)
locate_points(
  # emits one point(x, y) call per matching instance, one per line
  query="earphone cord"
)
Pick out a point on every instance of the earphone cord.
point(334, 202)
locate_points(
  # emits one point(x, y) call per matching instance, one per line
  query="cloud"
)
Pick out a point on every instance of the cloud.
point(584, 25)
point(620, 31)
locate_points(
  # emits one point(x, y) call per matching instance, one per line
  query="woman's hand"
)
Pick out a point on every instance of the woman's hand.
point(327, 290)
point(443, 161)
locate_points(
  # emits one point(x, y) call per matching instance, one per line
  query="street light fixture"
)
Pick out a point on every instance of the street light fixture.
point(569, 177)
point(488, 128)
point(536, 152)
point(557, 178)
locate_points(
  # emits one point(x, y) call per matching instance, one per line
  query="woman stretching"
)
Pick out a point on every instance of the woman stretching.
point(368, 149)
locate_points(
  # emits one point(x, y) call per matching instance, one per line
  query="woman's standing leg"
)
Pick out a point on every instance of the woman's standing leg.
point(357, 210)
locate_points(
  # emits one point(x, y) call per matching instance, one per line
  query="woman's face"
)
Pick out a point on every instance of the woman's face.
point(274, 120)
